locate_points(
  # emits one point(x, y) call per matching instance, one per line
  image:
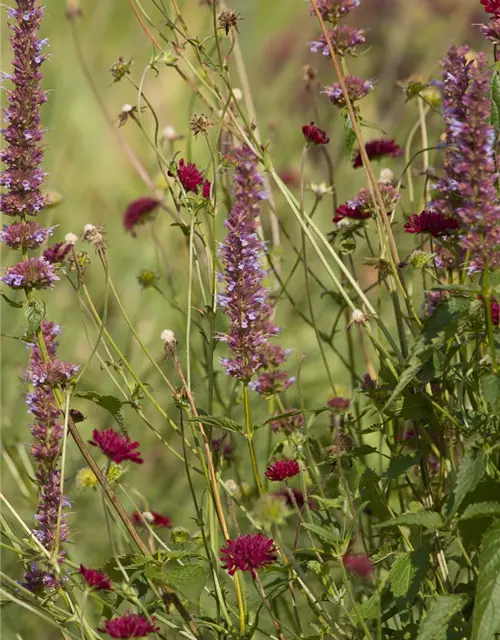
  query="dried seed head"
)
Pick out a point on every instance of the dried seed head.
point(71, 238)
point(73, 10)
point(120, 69)
point(169, 342)
point(94, 234)
point(386, 176)
point(228, 20)
point(320, 190)
point(127, 111)
point(358, 317)
point(199, 123)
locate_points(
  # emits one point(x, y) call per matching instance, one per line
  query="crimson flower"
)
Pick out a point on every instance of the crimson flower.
point(315, 135)
point(360, 564)
point(248, 553)
point(189, 176)
point(492, 6)
point(431, 222)
point(298, 498)
point(376, 149)
point(115, 446)
point(342, 404)
point(138, 212)
point(153, 518)
point(355, 212)
point(282, 469)
point(95, 579)
point(131, 625)
point(206, 189)
point(495, 310)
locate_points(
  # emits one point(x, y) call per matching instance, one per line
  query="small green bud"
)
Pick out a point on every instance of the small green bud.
point(180, 535)
point(147, 278)
point(420, 259)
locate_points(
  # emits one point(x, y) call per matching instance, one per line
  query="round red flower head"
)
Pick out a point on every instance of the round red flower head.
point(433, 222)
point(153, 518)
point(282, 469)
point(492, 6)
point(338, 403)
point(360, 564)
point(115, 446)
point(376, 149)
point(248, 553)
point(189, 176)
point(131, 625)
point(138, 212)
point(315, 135)
point(95, 579)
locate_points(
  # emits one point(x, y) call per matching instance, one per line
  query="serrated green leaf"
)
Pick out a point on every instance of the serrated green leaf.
point(327, 535)
point(469, 475)
point(427, 519)
point(486, 616)
point(407, 573)
point(495, 100)
point(435, 624)
point(329, 503)
point(481, 510)
point(110, 403)
point(370, 609)
point(188, 579)
point(220, 422)
point(490, 388)
point(34, 311)
point(399, 466)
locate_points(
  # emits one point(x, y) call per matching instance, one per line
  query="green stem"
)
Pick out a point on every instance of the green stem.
point(249, 437)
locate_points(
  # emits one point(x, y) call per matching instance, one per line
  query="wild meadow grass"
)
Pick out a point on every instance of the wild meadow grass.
point(250, 289)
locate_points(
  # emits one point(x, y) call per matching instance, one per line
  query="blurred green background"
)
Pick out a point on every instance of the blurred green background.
point(88, 166)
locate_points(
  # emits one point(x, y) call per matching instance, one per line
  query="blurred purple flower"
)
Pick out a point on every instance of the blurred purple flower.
point(332, 10)
point(33, 273)
point(357, 88)
point(344, 40)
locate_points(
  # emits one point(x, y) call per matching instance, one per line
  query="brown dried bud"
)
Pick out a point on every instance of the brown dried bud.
point(229, 20)
point(120, 69)
point(199, 123)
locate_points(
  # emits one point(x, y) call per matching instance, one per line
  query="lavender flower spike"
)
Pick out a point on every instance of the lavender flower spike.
point(47, 431)
point(468, 188)
point(244, 298)
point(24, 133)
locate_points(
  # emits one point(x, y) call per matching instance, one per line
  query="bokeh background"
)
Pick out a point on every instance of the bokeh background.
point(88, 167)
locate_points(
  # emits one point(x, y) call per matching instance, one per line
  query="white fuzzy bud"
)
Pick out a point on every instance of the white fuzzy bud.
point(127, 108)
point(169, 133)
point(238, 94)
point(386, 176)
point(358, 317)
point(71, 238)
point(168, 337)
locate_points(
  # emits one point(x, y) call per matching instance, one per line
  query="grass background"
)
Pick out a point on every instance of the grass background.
point(88, 167)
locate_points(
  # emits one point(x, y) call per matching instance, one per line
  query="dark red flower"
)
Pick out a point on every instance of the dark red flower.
point(342, 404)
point(115, 446)
point(282, 469)
point(495, 310)
point(492, 6)
point(360, 564)
point(431, 222)
point(248, 553)
point(95, 579)
point(356, 213)
point(189, 176)
point(206, 189)
point(315, 135)
point(153, 518)
point(376, 149)
point(131, 625)
point(138, 212)
point(298, 498)
point(290, 176)
point(57, 252)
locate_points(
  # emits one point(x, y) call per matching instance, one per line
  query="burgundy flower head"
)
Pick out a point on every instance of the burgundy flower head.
point(298, 498)
point(495, 310)
point(138, 212)
point(376, 149)
point(362, 207)
point(492, 6)
point(432, 222)
point(248, 553)
point(95, 579)
point(153, 518)
point(115, 446)
point(189, 176)
point(131, 625)
point(342, 404)
point(207, 185)
point(315, 135)
point(57, 253)
point(360, 564)
point(282, 469)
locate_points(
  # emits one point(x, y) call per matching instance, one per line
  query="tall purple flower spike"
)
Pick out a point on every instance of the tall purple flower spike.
point(244, 299)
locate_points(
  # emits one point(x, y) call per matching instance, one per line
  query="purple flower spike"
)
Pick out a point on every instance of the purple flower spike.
point(333, 10)
point(24, 152)
point(357, 88)
point(344, 40)
point(244, 298)
point(34, 273)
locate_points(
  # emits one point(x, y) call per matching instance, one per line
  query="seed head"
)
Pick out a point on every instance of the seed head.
point(127, 111)
point(228, 20)
point(120, 69)
point(147, 278)
point(71, 238)
point(199, 123)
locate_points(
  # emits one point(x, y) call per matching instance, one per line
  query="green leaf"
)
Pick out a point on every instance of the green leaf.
point(370, 609)
point(399, 466)
point(481, 510)
point(323, 533)
point(216, 421)
point(407, 573)
point(490, 388)
point(11, 303)
point(469, 475)
point(442, 610)
point(34, 311)
point(188, 579)
point(328, 503)
point(495, 100)
point(427, 519)
point(486, 616)
point(110, 403)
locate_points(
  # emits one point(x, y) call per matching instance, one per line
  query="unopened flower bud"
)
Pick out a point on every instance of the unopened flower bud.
point(357, 317)
point(419, 259)
point(180, 535)
point(386, 176)
point(71, 238)
point(86, 479)
point(170, 134)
